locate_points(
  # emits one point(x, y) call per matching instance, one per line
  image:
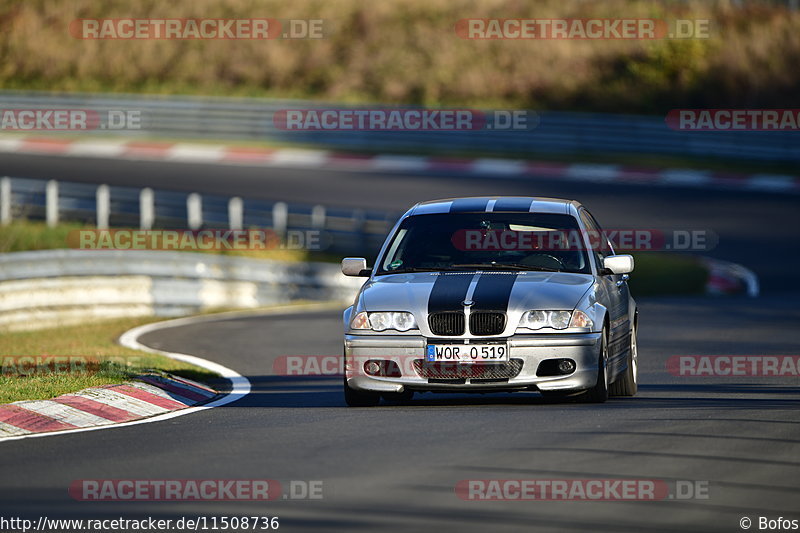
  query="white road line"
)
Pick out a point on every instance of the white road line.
point(10, 144)
point(502, 167)
point(303, 158)
point(196, 152)
point(96, 148)
point(770, 182)
point(592, 172)
point(398, 162)
point(63, 413)
point(684, 177)
point(240, 384)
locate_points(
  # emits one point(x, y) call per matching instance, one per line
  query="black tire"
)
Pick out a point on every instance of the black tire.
point(354, 398)
point(627, 383)
point(599, 393)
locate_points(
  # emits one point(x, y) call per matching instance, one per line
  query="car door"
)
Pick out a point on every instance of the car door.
point(614, 290)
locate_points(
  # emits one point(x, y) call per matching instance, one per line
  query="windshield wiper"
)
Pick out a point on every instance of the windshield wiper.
point(415, 269)
point(507, 266)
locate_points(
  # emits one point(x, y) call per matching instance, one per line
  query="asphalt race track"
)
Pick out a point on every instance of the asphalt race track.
point(395, 467)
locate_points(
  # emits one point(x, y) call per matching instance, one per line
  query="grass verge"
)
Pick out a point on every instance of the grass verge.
point(28, 235)
point(80, 357)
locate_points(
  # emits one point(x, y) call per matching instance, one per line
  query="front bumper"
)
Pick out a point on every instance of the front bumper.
point(529, 350)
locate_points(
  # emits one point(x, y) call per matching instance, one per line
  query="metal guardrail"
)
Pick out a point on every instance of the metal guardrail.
point(557, 132)
point(341, 231)
point(62, 287)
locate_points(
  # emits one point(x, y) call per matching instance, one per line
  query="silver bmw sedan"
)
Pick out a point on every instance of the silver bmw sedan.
point(492, 294)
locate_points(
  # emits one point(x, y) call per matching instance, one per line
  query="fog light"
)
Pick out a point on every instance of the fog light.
point(566, 366)
point(373, 368)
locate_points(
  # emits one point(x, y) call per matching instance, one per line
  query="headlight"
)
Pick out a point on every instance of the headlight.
point(360, 321)
point(580, 320)
point(403, 321)
point(381, 321)
point(534, 319)
point(555, 320)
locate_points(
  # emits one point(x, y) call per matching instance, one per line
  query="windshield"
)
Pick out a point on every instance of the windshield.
point(508, 241)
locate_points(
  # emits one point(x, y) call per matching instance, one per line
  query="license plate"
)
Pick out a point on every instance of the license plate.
point(466, 353)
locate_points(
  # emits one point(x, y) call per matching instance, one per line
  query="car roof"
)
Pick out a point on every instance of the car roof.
point(512, 204)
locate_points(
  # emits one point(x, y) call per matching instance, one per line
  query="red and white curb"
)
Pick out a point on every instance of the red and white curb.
point(239, 385)
point(102, 406)
point(501, 168)
point(725, 278)
point(125, 400)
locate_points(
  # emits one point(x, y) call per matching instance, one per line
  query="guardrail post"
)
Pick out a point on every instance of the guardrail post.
point(51, 203)
point(318, 217)
point(103, 197)
point(194, 211)
point(5, 201)
point(147, 209)
point(280, 218)
point(235, 213)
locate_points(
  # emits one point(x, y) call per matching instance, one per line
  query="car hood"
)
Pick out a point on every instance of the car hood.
point(425, 292)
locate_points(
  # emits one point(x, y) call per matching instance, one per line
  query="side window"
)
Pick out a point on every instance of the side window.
point(597, 239)
point(605, 244)
point(395, 251)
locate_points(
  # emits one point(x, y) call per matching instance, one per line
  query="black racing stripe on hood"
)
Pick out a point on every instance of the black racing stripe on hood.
point(493, 291)
point(449, 291)
point(466, 205)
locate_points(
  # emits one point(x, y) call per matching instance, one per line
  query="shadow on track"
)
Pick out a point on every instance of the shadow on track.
point(326, 391)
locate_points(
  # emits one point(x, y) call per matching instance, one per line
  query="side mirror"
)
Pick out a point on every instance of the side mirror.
point(618, 264)
point(355, 266)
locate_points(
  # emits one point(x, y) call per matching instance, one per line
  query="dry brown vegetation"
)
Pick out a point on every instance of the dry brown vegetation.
point(408, 52)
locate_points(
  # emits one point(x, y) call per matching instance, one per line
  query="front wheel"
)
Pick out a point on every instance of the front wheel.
point(354, 398)
point(599, 393)
point(627, 384)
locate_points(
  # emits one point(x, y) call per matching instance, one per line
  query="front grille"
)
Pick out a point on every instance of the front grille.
point(487, 323)
point(490, 371)
point(448, 323)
